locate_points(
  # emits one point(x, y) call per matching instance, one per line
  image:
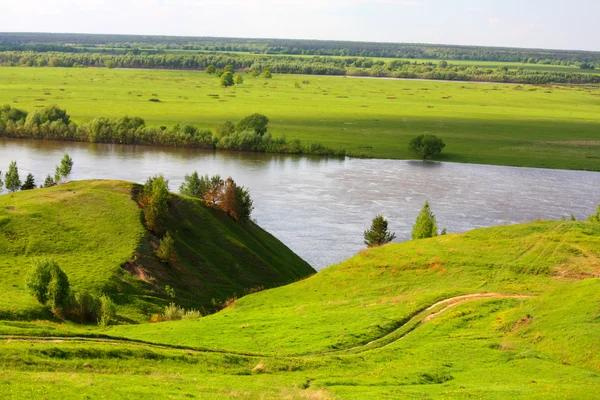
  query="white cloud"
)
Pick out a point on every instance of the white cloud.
point(493, 21)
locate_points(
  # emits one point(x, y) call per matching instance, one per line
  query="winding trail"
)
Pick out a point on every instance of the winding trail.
point(419, 318)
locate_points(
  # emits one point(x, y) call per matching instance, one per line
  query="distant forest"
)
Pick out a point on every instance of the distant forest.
point(412, 61)
point(77, 42)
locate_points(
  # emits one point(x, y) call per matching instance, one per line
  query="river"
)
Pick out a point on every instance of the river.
point(320, 207)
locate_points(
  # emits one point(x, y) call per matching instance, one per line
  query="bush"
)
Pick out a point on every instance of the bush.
point(156, 195)
point(173, 312)
point(108, 311)
point(50, 286)
point(85, 306)
point(595, 217)
point(166, 249)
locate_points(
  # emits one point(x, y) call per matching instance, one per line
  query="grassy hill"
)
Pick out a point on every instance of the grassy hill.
point(95, 231)
point(498, 313)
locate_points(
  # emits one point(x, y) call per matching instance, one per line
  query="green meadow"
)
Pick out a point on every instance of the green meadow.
point(522, 125)
point(506, 312)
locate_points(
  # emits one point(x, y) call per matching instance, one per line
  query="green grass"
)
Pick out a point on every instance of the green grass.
point(93, 228)
point(533, 126)
point(309, 339)
point(543, 347)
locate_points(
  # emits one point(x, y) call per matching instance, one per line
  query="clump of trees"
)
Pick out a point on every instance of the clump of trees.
point(426, 146)
point(226, 194)
point(53, 123)
point(13, 180)
point(426, 224)
point(49, 284)
point(378, 234)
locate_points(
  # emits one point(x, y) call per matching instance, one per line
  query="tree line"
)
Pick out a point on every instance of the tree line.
point(136, 44)
point(257, 64)
point(249, 134)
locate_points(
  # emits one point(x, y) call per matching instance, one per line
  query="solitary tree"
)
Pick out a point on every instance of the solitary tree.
point(29, 182)
point(238, 79)
point(426, 224)
point(156, 193)
point(267, 74)
point(426, 146)
point(227, 79)
point(210, 69)
point(13, 183)
point(255, 122)
point(378, 234)
point(66, 165)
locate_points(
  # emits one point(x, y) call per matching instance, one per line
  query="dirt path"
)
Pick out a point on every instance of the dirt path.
point(419, 318)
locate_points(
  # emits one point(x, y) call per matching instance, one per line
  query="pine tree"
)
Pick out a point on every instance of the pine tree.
point(13, 183)
point(29, 182)
point(49, 182)
point(378, 234)
point(426, 224)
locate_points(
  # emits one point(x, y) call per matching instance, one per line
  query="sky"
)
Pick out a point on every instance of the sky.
point(549, 24)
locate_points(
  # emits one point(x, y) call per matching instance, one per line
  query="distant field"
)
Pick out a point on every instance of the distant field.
point(535, 126)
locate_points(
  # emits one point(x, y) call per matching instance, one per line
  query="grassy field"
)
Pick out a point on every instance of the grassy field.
point(534, 126)
point(94, 230)
point(522, 321)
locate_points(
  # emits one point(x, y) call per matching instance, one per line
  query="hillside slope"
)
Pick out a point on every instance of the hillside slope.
point(95, 231)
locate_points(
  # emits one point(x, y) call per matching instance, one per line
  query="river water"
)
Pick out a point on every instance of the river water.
point(320, 207)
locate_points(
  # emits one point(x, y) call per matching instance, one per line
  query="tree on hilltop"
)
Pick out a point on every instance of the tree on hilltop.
point(29, 182)
point(426, 224)
point(378, 234)
point(13, 183)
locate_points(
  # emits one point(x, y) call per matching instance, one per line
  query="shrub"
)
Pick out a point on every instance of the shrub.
point(156, 195)
point(50, 285)
point(85, 306)
point(595, 217)
point(166, 249)
point(108, 311)
point(173, 312)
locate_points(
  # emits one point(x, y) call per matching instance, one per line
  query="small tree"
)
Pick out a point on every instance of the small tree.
point(66, 165)
point(13, 183)
point(378, 234)
point(210, 69)
point(166, 249)
point(238, 79)
point(227, 79)
point(1, 182)
point(49, 182)
point(255, 73)
point(426, 146)
point(108, 311)
point(229, 68)
point(595, 217)
point(156, 193)
point(29, 182)
point(192, 186)
point(49, 285)
point(426, 224)
point(256, 122)
point(267, 74)
point(236, 201)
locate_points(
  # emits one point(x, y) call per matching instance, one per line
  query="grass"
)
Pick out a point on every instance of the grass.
point(296, 341)
point(533, 126)
point(94, 230)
